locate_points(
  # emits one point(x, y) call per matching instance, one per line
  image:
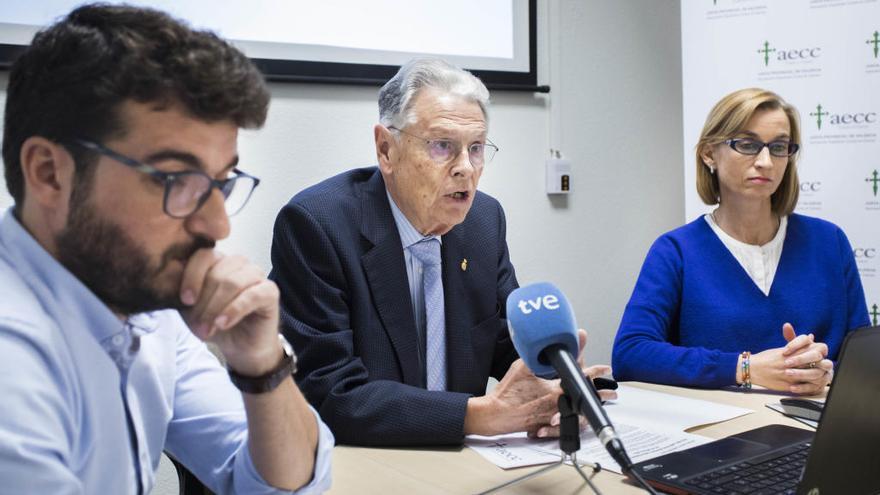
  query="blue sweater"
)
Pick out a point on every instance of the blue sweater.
point(694, 309)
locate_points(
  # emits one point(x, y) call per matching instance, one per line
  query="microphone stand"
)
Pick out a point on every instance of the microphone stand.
point(569, 443)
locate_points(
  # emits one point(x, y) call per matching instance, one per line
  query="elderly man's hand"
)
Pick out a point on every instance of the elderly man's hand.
point(595, 371)
point(520, 402)
point(524, 402)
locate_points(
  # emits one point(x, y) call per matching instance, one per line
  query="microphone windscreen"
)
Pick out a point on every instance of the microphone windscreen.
point(539, 315)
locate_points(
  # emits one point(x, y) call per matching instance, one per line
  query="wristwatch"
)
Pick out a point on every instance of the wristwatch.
point(270, 380)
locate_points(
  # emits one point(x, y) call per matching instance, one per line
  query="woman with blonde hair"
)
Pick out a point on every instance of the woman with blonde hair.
point(751, 293)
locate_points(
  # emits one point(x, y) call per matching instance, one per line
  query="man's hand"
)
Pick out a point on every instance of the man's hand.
point(233, 305)
point(800, 367)
point(523, 402)
point(520, 402)
point(595, 371)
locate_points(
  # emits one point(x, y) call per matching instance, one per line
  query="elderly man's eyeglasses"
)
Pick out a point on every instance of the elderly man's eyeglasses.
point(442, 151)
point(748, 146)
point(186, 191)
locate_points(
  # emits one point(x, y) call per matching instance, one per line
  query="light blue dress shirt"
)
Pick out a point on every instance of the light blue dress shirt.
point(409, 236)
point(89, 402)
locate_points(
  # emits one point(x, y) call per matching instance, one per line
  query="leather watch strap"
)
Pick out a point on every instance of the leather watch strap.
point(269, 381)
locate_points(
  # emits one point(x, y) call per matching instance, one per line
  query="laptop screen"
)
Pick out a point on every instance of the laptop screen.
point(844, 456)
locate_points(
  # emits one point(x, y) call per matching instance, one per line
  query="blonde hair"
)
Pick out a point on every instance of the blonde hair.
point(725, 121)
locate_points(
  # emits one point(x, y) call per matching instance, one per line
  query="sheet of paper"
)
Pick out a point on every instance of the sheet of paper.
point(649, 423)
point(659, 411)
point(516, 450)
point(511, 451)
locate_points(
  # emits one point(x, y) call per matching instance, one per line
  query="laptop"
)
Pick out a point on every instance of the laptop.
point(840, 458)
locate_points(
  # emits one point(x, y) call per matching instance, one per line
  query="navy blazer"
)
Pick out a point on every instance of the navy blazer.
point(346, 309)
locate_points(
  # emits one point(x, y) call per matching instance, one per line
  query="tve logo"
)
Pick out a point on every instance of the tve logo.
point(789, 54)
point(528, 306)
point(851, 118)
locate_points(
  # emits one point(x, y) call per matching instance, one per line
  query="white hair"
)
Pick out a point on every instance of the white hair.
point(395, 97)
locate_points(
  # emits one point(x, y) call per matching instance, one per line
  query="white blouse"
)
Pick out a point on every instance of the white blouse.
point(759, 262)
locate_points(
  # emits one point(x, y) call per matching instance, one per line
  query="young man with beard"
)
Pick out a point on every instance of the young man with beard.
point(120, 153)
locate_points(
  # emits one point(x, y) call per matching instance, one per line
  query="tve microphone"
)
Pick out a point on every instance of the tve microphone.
point(543, 329)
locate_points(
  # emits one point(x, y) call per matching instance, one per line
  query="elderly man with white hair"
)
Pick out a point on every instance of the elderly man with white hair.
point(394, 279)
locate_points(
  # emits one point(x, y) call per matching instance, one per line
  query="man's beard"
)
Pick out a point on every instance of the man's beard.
point(112, 265)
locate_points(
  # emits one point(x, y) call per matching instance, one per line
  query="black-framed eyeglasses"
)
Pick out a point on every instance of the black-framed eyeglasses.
point(186, 191)
point(749, 146)
point(442, 151)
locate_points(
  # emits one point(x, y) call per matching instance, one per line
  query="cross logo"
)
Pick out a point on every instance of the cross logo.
point(766, 51)
point(873, 180)
point(818, 114)
point(875, 41)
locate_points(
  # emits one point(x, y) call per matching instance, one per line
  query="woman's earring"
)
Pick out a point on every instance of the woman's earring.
point(711, 169)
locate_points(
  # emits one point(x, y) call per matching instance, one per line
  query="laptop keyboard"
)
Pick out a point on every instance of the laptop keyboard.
point(773, 473)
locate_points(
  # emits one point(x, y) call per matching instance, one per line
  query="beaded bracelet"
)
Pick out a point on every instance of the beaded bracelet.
point(746, 372)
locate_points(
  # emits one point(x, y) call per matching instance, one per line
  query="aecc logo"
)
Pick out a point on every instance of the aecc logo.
point(789, 54)
point(864, 253)
point(842, 118)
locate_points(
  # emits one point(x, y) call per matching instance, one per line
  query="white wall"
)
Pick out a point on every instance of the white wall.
point(614, 110)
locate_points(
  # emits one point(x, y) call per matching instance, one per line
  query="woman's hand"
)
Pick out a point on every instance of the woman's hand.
point(800, 367)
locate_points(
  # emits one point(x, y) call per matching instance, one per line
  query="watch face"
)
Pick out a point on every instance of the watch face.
point(285, 345)
point(288, 351)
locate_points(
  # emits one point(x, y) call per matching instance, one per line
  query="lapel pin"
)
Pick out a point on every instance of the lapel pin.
point(464, 264)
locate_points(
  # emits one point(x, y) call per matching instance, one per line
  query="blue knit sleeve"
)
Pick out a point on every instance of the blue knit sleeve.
point(645, 349)
point(857, 310)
